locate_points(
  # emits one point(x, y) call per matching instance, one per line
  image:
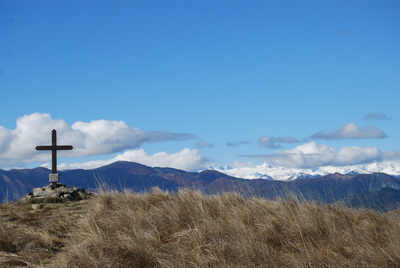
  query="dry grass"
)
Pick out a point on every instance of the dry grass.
point(31, 237)
point(189, 229)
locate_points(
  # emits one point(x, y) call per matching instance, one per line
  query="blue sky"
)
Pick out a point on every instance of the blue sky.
point(191, 84)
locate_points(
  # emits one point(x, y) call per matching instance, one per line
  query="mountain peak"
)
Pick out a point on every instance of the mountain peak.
point(288, 174)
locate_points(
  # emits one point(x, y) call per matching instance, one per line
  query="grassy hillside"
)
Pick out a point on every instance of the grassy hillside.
point(189, 229)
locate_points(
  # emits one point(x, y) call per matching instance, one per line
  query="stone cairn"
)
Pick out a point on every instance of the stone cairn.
point(57, 193)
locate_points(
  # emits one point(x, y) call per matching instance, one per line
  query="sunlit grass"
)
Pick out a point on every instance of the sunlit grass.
point(189, 229)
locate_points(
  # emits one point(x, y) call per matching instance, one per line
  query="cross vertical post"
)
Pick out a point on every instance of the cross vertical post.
point(54, 152)
point(54, 177)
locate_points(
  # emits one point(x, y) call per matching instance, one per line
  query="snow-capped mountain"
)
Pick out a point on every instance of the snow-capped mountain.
point(266, 171)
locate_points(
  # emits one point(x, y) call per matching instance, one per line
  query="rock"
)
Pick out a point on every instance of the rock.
point(37, 206)
point(69, 197)
point(44, 192)
point(56, 194)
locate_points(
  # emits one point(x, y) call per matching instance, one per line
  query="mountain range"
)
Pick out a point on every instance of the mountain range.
point(266, 171)
point(378, 191)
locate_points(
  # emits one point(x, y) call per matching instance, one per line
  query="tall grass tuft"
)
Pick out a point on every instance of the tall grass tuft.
point(189, 229)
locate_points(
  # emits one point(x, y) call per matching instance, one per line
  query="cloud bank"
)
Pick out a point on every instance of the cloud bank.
point(97, 137)
point(103, 137)
point(186, 159)
point(350, 131)
point(313, 155)
point(272, 142)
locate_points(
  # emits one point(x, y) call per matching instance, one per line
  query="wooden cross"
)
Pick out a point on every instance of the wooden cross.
point(54, 177)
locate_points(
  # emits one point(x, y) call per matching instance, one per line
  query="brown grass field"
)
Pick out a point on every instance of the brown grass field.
point(189, 229)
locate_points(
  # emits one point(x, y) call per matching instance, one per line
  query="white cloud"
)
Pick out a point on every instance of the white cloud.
point(352, 155)
point(350, 131)
point(5, 138)
point(31, 130)
point(271, 142)
point(186, 159)
point(104, 137)
point(313, 155)
point(88, 138)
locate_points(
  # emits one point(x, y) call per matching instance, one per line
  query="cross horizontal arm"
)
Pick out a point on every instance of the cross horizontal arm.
point(64, 147)
point(54, 147)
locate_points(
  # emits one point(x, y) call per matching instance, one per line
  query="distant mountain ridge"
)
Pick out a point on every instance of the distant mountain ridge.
point(377, 191)
point(266, 171)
